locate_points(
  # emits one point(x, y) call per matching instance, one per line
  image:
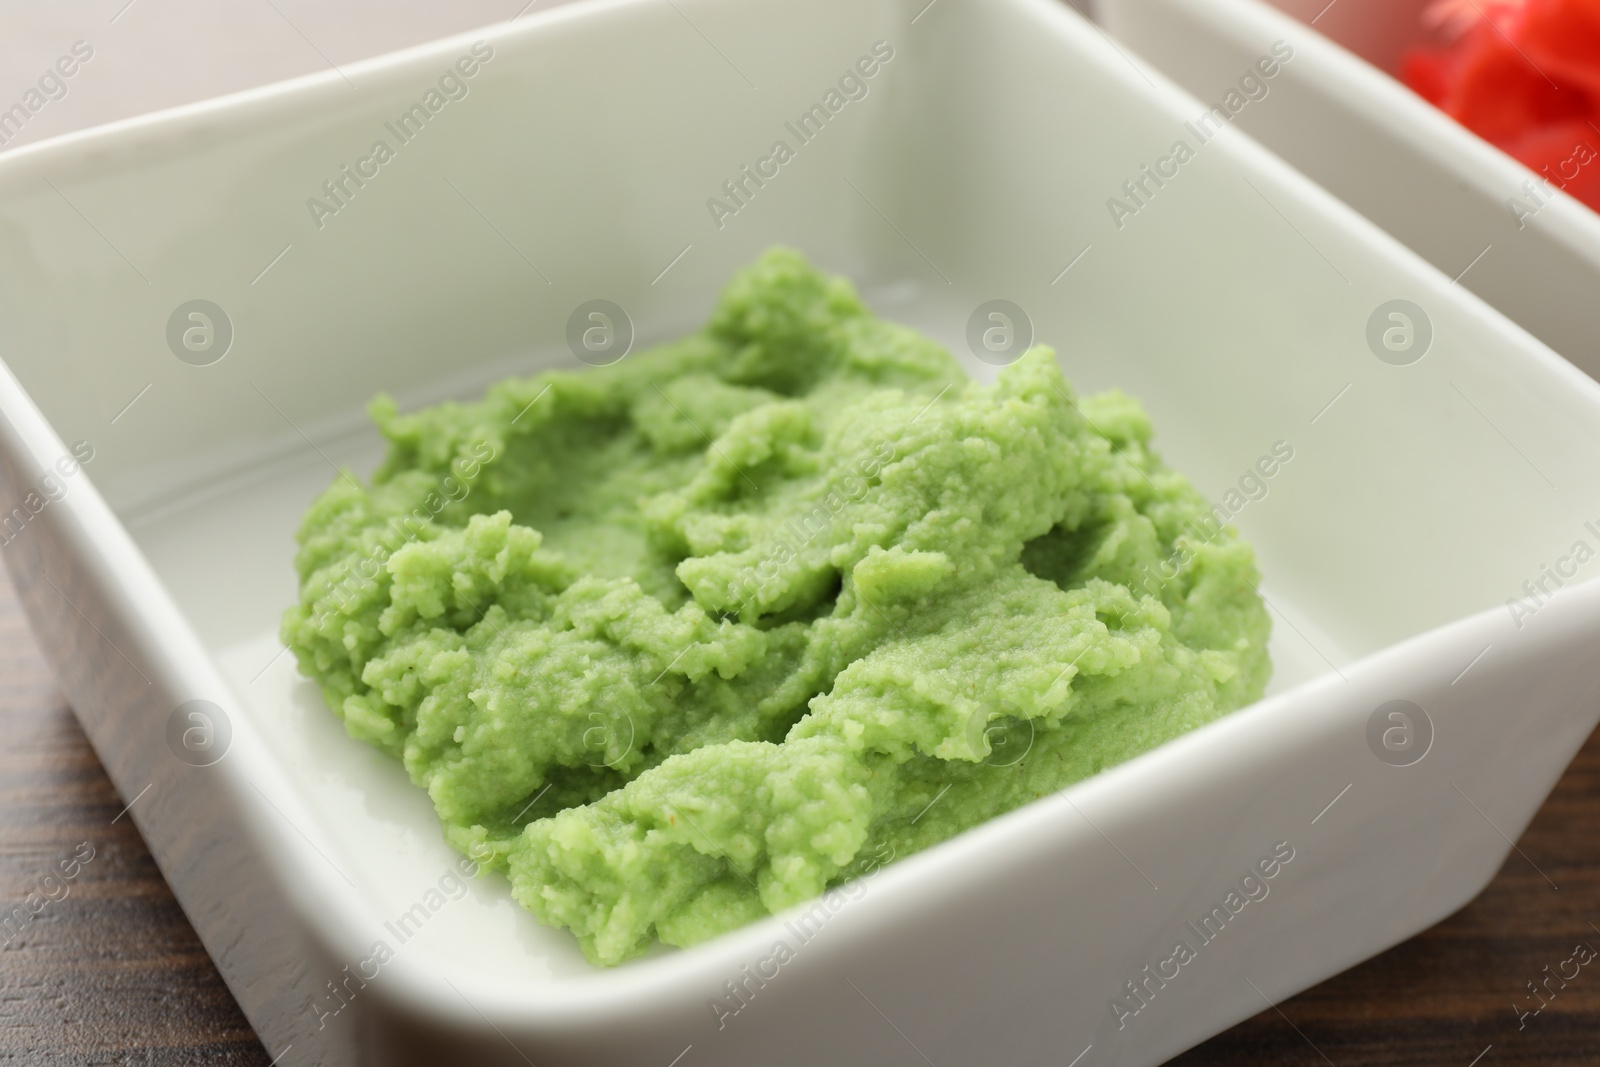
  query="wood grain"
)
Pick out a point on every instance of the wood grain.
point(113, 974)
point(110, 973)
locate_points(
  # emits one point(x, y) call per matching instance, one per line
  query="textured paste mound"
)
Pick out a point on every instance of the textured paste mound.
point(677, 642)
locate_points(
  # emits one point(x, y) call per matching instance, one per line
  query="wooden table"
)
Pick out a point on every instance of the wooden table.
point(113, 974)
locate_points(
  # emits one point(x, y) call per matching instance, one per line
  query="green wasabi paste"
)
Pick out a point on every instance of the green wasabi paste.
point(683, 641)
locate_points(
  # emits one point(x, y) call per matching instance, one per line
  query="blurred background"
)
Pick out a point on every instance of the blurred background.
point(155, 54)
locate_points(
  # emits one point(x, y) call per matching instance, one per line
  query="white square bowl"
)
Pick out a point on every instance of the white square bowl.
point(1236, 304)
point(1337, 114)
